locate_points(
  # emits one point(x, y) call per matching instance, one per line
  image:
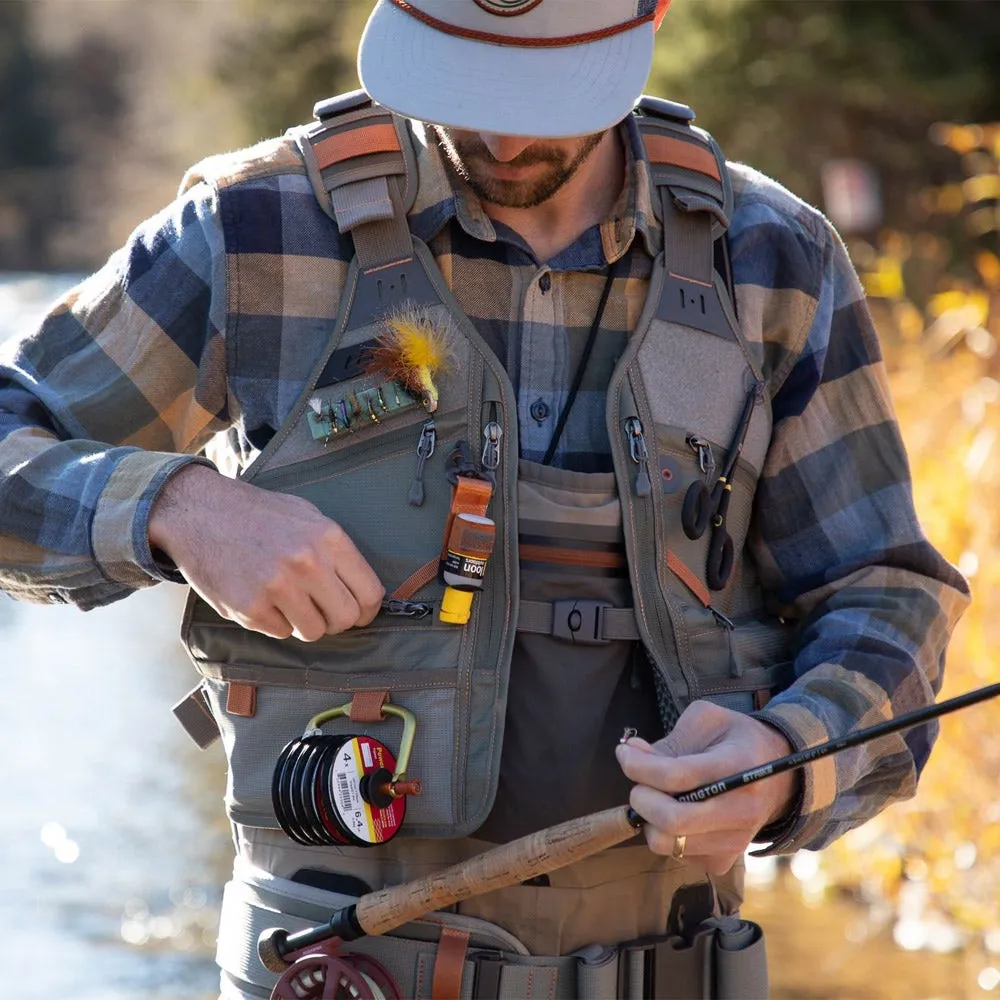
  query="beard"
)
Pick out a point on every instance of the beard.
point(472, 160)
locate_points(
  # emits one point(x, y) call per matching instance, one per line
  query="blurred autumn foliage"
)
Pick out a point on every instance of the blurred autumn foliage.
point(932, 866)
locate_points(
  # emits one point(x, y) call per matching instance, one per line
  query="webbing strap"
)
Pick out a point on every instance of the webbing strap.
point(194, 713)
point(610, 623)
point(360, 161)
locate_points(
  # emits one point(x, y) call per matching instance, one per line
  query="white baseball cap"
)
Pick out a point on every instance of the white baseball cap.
point(540, 68)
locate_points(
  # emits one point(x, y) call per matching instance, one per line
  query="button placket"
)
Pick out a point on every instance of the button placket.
point(543, 364)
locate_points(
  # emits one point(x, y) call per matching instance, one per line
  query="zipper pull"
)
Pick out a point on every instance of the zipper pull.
point(425, 448)
point(405, 609)
point(706, 459)
point(492, 433)
point(640, 455)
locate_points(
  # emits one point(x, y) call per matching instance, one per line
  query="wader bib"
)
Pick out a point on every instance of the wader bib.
point(610, 613)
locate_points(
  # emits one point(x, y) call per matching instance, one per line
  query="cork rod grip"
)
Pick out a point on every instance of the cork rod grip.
point(536, 854)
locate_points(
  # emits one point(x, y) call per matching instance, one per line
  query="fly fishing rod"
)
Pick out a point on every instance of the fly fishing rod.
point(551, 849)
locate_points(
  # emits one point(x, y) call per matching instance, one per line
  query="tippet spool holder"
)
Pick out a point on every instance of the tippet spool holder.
point(331, 790)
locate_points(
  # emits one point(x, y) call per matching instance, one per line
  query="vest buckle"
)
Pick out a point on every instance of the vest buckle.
point(580, 621)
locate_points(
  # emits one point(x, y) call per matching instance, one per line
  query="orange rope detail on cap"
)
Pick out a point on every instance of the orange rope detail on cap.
point(666, 149)
point(687, 577)
point(356, 142)
point(527, 43)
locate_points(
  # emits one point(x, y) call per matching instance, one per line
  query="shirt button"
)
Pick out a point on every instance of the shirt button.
point(545, 282)
point(539, 410)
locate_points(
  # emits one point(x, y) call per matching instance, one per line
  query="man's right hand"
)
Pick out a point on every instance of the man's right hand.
point(269, 561)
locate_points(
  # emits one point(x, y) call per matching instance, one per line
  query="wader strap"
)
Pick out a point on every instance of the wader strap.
point(724, 958)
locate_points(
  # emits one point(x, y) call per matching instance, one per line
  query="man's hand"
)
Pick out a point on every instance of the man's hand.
point(707, 743)
point(269, 561)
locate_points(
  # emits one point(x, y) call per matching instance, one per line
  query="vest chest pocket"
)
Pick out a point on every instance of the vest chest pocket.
point(426, 666)
point(738, 664)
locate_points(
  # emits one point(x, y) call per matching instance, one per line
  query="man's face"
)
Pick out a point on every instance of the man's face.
point(515, 171)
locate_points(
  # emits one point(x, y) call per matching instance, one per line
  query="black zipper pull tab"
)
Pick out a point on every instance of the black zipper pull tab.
point(640, 455)
point(406, 609)
point(425, 448)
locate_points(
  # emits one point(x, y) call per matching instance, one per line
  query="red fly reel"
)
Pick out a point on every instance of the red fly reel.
point(327, 976)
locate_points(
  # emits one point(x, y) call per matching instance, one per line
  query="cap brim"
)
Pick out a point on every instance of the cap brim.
point(423, 73)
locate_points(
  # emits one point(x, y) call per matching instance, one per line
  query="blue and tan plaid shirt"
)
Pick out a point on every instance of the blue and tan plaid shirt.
point(137, 368)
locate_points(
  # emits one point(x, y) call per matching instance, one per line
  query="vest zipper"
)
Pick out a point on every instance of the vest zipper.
point(492, 433)
point(425, 448)
point(640, 455)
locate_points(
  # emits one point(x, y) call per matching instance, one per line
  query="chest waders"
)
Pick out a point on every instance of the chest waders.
point(687, 414)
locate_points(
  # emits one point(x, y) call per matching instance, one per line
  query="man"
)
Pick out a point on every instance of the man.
point(594, 388)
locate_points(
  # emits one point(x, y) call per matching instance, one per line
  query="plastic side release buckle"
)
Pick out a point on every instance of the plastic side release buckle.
point(666, 109)
point(579, 621)
point(333, 106)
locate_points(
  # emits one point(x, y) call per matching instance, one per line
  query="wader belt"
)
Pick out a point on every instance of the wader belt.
point(724, 958)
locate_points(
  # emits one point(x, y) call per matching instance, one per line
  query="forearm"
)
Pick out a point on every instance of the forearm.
point(102, 405)
point(74, 513)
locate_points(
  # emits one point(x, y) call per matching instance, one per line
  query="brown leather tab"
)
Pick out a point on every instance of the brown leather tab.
point(448, 964)
point(679, 153)
point(760, 698)
point(241, 699)
point(366, 706)
point(351, 143)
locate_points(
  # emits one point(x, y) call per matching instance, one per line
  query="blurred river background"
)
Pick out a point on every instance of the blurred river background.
point(113, 841)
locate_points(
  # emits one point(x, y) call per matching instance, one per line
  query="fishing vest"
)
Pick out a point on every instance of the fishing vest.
point(688, 412)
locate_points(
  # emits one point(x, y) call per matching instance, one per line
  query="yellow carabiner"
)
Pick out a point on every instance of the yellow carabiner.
point(405, 744)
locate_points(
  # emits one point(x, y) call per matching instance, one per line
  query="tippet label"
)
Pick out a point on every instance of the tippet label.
point(356, 758)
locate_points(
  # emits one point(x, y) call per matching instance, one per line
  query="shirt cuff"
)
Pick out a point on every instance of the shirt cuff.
point(120, 529)
point(817, 781)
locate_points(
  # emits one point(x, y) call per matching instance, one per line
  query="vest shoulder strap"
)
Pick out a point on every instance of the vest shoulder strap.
point(693, 198)
point(360, 159)
point(685, 159)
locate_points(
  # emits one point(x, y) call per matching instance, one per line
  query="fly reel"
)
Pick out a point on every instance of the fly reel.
point(326, 976)
point(330, 790)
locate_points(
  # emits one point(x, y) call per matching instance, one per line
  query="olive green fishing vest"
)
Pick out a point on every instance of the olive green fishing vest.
point(687, 394)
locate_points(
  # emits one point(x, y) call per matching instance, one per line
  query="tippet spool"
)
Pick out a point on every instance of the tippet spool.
point(329, 790)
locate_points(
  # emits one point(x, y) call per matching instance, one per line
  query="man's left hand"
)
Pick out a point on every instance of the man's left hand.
point(706, 744)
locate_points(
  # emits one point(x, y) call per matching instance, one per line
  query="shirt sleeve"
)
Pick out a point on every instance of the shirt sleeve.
point(840, 551)
point(122, 385)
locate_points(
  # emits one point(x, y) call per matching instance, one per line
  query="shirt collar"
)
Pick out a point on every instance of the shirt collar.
point(442, 197)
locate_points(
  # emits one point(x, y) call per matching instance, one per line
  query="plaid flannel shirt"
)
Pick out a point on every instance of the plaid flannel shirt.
point(138, 367)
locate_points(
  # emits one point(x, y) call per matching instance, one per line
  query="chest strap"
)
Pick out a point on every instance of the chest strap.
point(582, 622)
